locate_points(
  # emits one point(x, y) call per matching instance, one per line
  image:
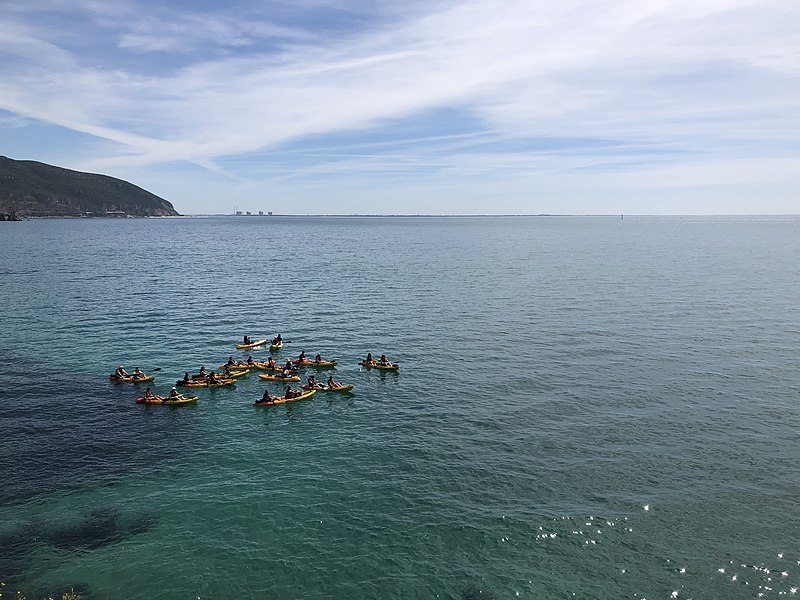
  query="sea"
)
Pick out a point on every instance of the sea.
point(586, 407)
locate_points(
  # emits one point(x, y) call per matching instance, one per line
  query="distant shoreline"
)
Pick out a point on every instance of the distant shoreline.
point(400, 216)
point(462, 216)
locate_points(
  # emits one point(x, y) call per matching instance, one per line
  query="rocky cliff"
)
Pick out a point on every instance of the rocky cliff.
point(34, 189)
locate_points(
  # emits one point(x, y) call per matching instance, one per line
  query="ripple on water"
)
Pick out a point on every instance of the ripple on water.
point(600, 367)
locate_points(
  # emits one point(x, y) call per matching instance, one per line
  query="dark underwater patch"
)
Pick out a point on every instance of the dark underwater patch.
point(102, 526)
point(14, 548)
point(98, 528)
point(60, 438)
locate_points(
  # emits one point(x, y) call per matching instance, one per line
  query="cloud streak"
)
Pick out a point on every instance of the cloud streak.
point(703, 77)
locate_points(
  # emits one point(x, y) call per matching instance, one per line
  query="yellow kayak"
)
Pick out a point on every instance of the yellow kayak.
point(244, 365)
point(339, 388)
point(205, 383)
point(131, 379)
point(251, 344)
point(278, 377)
point(278, 368)
point(323, 364)
point(167, 400)
point(282, 400)
point(236, 373)
point(379, 366)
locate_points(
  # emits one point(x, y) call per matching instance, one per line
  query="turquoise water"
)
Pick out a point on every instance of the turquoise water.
point(586, 408)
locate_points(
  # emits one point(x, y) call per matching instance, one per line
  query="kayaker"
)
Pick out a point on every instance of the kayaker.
point(267, 398)
point(226, 371)
point(174, 395)
point(148, 395)
point(302, 357)
point(289, 366)
point(289, 393)
point(318, 358)
point(250, 361)
point(279, 338)
point(286, 373)
point(212, 378)
point(186, 379)
point(384, 361)
point(271, 364)
point(231, 362)
point(203, 372)
point(137, 373)
point(121, 372)
point(369, 360)
point(331, 383)
point(312, 382)
point(276, 340)
point(247, 339)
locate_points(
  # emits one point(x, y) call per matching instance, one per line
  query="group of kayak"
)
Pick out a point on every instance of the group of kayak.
point(305, 391)
point(230, 370)
point(271, 365)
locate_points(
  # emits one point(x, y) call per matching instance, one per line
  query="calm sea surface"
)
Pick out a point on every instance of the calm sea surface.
point(586, 408)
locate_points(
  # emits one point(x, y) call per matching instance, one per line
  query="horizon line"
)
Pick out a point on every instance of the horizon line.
point(437, 215)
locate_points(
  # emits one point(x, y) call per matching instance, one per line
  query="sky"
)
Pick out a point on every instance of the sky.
point(414, 107)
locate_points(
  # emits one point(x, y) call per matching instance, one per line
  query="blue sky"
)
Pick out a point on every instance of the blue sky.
point(434, 107)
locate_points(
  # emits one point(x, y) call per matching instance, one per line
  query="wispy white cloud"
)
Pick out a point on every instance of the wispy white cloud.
point(154, 33)
point(692, 77)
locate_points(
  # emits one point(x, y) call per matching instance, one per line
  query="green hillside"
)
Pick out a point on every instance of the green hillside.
point(34, 189)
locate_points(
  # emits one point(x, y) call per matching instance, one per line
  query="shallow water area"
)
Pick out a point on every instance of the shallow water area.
point(586, 407)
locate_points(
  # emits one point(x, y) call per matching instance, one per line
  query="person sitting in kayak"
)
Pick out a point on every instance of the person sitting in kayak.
point(250, 361)
point(290, 393)
point(276, 340)
point(267, 398)
point(174, 395)
point(271, 364)
point(120, 372)
point(302, 357)
point(186, 378)
point(318, 358)
point(289, 366)
point(148, 395)
point(203, 372)
point(384, 361)
point(286, 372)
point(332, 384)
point(137, 373)
point(226, 371)
point(231, 362)
point(212, 378)
point(247, 339)
point(313, 383)
point(369, 360)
